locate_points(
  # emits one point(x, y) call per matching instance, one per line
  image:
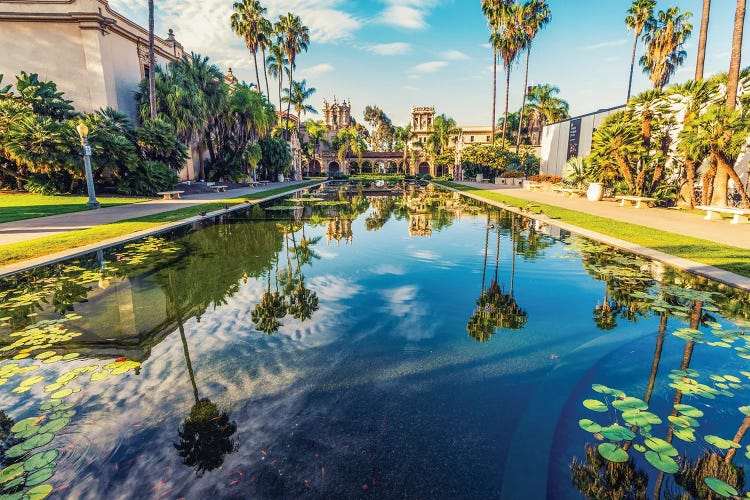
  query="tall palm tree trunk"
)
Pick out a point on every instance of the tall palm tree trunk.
point(494, 95)
point(657, 358)
point(151, 61)
point(632, 64)
point(186, 351)
point(289, 104)
point(265, 73)
point(486, 248)
point(257, 74)
point(281, 84)
point(702, 40)
point(734, 65)
point(523, 101)
point(507, 103)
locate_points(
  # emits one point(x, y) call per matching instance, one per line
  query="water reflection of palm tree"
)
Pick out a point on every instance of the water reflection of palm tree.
point(271, 308)
point(206, 434)
point(599, 479)
point(303, 302)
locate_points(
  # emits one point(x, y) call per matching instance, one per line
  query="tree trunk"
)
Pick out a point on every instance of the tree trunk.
point(734, 65)
point(702, 40)
point(632, 64)
point(187, 357)
point(523, 101)
point(708, 182)
point(719, 197)
point(657, 358)
point(738, 439)
point(281, 84)
point(257, 75)
point(151, 61)
point(690, 170)
point(732, 174)
point(200, 163)
point(507, 102)
point(265, 73)
point(494, 95)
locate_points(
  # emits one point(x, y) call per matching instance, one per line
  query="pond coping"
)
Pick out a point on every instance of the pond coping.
point(697, 268)
point(29, 264)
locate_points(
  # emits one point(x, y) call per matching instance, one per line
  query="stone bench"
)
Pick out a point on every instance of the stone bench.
point(570, 192)
point(168, 195)
point(637, 200)
point(534, 186)
point(740, 215)
point(218, 188)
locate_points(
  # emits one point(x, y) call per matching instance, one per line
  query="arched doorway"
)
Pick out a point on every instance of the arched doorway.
point(392, 167)
point(379, 167)
point(367, 167)
point(353, 168)
point(315, 167)
point(424, 168)
point(334, 167)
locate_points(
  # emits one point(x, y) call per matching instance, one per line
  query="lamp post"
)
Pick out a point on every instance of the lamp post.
point(83, 132)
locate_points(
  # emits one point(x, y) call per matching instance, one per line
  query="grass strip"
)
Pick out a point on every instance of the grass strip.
point(727, 257)
point(24, 250)
point(24, 206)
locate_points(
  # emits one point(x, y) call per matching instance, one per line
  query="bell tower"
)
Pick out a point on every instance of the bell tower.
point(337, 116)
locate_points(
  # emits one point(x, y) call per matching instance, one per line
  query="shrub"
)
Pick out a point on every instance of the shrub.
point(148, 179)
point(513, 174)
point(554, 179)
point(157, 142)
point(42, 185)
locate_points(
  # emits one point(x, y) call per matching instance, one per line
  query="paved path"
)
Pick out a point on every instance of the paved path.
point(673, 221)
point(24, 230)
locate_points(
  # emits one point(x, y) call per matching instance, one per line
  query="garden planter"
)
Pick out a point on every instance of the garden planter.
point(281, 177)
point(480, 177)
point(595, 191)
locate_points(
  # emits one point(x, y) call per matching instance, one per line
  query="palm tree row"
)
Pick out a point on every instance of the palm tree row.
point(513, 27)
point(283, 40)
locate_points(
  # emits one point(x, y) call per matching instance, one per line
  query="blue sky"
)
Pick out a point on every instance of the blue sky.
point(401, 53)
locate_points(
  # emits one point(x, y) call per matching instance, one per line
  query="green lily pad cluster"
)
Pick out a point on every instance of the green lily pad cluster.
point(42, 336)
point(634, 411)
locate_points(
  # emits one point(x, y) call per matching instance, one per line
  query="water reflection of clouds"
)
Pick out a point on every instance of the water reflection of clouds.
point(412, 313)
point(388, 269)
point(326, 254)
point(426, 255)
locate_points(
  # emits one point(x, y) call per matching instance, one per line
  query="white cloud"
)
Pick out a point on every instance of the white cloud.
point(455, 55)
point(430, 67)
point(317, 70)
point(390, 49)
point(604, 45)
point(408, 14)
point(327, 20)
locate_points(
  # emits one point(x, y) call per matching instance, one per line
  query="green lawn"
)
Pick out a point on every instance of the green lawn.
point(733, 259)
point(17, 252)
point(21, 206)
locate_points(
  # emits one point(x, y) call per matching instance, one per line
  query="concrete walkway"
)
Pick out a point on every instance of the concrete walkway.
point(29, 229)
point(673, 221)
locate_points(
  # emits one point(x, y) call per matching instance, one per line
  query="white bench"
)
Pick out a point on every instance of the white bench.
point(168, 195)
point(713, 213)
point(637, 200)
point(264, 183)
point(218, 188)
point(570, 192)
point(533, 186)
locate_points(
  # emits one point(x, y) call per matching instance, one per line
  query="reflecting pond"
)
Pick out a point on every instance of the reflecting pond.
point(360, 340)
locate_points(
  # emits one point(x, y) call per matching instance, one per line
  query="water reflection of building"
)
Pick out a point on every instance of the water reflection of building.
point(419, 225)
point(339, 229)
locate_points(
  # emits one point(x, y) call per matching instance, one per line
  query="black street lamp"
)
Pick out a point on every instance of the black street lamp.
point(83, 131)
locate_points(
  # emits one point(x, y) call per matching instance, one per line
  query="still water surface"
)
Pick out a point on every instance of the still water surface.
point(366, 344)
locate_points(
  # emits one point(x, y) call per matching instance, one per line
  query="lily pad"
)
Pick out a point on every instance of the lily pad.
point(689, 411)
point(39, 492)
point(96, 376)
point(732, 378)
point(680, 422)
point(630, 403)
point(41, 475)
point(11, 472)
point(663, 463)
point(639, 447)
point(745, 410)
point(612, 452)
point(55, 425)
point(24, 424)
point(640, 418)
point(617, 433)
point(589, 425)
point(721, 443)
point(38, 440)
point(31, 380)
point(687, 435)
point(62, 393)
point(661, 447)
point(595, 405)
point(40, 460)
point(720, 487)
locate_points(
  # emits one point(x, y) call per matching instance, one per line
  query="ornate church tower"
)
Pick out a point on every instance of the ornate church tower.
point(337, 116)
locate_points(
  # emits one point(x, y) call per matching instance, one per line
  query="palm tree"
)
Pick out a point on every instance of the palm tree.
point(265, 42)
point(720, 135)
point(544, 107)
point(277, 63)
point(300, 94)
point(151, 61)
point(536, 15)
point(349, 140)
point(639, 15)
point(664, 38)
point(247, 22)
point(317, 130)
point(734, 65)
point(295, 38)
point(442, 130)
point(404, 136)
point(509, 42)
point(494, 11)
point(702, 40)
